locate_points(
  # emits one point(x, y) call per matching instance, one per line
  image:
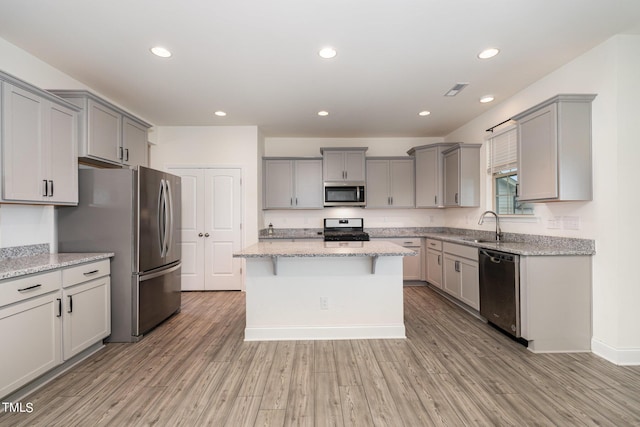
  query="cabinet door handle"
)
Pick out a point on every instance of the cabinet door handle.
point(89, 273)
point(126, 150)
point(456, 198)
point(439, 260)
point(70, 304)
point(457, 266)
point(296, 201)
point(59, 307)
point(50, 188)
point(30, 288)
point(435, 200)
point(45, 190)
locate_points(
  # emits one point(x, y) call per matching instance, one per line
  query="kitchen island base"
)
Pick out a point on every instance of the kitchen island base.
point(324, 298)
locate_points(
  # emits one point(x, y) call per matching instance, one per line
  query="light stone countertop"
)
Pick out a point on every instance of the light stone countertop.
point(319, 248)
point(39, 263)
point(516, 243)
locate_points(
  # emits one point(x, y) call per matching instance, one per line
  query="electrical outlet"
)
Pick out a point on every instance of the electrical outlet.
point(324, 303)
point(554, 222)
point(571, 222)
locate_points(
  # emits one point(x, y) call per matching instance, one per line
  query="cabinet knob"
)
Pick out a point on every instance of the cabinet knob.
point(206, 234)
point(200, 234)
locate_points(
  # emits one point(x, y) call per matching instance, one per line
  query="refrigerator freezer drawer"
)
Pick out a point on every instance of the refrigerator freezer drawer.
point(158, 296)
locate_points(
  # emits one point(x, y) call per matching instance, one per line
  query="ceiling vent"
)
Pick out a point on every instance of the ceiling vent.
point(456, 89)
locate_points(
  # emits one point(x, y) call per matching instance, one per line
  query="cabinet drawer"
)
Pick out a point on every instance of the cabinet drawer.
point(83, 272)
point(407, 242)
point(434, 244)
point(15, 290)
point(464, 251)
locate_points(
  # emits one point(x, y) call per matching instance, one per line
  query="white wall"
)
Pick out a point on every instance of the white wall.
point(207, 146)
point(609, 70)
point(310, 147)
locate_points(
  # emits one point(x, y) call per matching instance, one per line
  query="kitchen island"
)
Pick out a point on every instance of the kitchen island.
point(324, 290)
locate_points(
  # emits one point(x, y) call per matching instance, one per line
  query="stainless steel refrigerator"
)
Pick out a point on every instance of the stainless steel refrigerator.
point(136, 215)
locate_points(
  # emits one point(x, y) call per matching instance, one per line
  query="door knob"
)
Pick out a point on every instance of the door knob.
point(200, 234)
point(206, 234)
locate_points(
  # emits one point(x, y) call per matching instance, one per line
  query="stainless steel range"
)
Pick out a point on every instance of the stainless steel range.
point(344, 230)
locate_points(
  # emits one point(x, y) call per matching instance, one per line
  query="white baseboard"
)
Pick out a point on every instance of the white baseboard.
point(625, 356)
point(324, 333)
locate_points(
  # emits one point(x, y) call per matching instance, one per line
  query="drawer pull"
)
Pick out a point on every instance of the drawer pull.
point(28, 288)
point(88, 273)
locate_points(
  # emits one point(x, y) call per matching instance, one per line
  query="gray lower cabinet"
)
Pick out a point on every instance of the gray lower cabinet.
point(39, 146)
point(434, 262)
point(108, 134)
point(411, 265)
point(390, 182)
point(48, 318)
point(30, 329)
point(554, 150)
point(461, 273)
point(290, 183)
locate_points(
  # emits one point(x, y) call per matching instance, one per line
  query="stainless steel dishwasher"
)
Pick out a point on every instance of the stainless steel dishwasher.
point(500, 289)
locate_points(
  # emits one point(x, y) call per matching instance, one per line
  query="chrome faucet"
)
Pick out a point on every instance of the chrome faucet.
point(498, 231)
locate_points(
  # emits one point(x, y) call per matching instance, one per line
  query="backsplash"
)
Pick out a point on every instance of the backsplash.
point(27, 250)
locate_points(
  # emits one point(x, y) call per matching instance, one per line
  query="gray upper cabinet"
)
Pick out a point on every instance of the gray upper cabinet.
point(554, 150)
point(390, 182)
point(108, 134)
point(462, 175)
point(429, 181)
point(134, 142)
point(292, 183)
point(343, 164)
point(39, 146)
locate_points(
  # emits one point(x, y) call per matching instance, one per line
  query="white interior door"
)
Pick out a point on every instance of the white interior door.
point(192, 246)
point(211, 228)
point(222, 222)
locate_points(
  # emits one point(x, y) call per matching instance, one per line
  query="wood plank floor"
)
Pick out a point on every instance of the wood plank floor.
point(196, 370)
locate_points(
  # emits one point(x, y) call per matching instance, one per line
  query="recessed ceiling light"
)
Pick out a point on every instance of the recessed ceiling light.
point(220, 113)
point(424, 113)
point(488, 53)
point(486, 98)
point(327, 53)
point(161, 52)
point(323, 113)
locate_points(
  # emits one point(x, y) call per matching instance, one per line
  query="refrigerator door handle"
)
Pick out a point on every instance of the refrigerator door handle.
point(162, 209)
point(169, 219)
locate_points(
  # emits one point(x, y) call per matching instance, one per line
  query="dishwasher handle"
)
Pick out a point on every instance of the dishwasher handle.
point(498, 257)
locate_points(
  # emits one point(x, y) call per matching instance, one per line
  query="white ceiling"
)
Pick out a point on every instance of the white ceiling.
point(257, 59)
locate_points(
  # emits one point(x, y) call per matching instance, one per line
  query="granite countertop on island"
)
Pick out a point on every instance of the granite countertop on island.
point(318, 248)
point(36, 259)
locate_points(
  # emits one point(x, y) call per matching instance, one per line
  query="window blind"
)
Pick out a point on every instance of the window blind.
point(503, 151)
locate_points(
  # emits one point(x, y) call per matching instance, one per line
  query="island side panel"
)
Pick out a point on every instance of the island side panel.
point(289, 305)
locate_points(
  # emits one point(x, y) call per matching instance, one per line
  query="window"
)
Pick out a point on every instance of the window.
point(502, 165)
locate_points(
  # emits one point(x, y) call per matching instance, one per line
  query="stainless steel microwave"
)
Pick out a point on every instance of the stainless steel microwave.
point(344, 194)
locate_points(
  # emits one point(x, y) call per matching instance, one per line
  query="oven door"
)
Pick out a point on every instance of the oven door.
point(344, 194)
